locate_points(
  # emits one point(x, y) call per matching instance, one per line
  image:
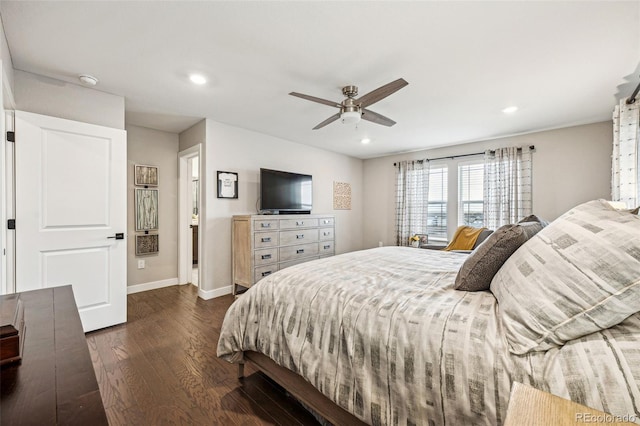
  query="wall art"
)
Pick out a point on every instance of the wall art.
point(146, 200)
point(145, 175)
point(147, 244)
point(227, 185)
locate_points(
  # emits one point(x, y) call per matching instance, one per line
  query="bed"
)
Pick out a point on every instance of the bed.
point(383, 334)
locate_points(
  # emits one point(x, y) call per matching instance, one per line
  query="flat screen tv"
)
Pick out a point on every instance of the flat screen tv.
point(285, 192)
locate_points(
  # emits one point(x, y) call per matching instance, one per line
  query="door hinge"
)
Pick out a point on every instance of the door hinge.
point(11, 224)
point(11, 136)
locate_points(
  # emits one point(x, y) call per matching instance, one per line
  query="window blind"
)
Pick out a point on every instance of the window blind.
point(437, 206)
point(471, 194)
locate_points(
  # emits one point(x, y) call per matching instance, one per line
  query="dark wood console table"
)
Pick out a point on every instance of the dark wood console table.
point(55, 384)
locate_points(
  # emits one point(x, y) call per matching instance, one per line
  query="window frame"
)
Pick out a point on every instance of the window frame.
point(453, 189)
point(460, 212)
point(434, 166)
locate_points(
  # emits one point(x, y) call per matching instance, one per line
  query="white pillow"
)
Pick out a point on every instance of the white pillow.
point(578, 275)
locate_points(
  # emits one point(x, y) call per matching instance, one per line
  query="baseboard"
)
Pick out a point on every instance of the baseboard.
point(137, 288)
point(211, 294)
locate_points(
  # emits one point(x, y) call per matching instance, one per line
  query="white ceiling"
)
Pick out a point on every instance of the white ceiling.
point(562, 63)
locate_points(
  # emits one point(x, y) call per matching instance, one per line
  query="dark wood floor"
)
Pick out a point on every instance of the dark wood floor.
point(160, 368)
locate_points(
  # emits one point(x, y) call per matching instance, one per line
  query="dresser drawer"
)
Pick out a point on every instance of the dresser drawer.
point(265, 256)
point(265, 239)
point(283, 265)
point(326, 221)
point(300, 236)
point(265, 224)
point(298, 223)
point(326, 234)
point(298, 252)
point(264, 271)
point(326, 248)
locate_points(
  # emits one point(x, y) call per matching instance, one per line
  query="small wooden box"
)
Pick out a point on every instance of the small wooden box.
point(11, 329)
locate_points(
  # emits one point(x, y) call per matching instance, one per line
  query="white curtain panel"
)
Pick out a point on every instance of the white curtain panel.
point(507, 186)
point(412, 193)
point(625, 168)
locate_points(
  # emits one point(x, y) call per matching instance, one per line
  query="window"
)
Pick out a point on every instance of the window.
point(437, 207)
point(471, 194)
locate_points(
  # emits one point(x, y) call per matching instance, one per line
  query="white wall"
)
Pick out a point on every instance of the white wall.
point(6, 190)
point(47, 96)
point(7, 63)
point(154, 148)
point(245, 152)
point(193, 135)
point(570, 166)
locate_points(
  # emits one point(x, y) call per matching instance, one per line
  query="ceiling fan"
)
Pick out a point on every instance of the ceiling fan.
point(352, 110)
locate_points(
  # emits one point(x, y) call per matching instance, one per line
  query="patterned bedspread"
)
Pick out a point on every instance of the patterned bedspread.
point(382, 333)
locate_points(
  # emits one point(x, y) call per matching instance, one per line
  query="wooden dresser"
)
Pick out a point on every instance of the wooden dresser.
point(55, 384)
point(263, 244)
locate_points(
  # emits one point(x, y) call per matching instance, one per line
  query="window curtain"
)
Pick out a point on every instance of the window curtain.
point(507, 186)
point(624, 168)
point(412, 193)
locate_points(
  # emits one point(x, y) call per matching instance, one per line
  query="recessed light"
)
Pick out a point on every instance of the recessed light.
point(510, 110)
point(197, 79)
point(365, 141)
point(88, 80)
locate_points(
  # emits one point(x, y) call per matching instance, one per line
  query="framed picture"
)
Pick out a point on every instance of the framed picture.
point(146, 200)
point(227, 185)
point(147, 244)
point(424, 240)
point(341, 196)
point(145, 175)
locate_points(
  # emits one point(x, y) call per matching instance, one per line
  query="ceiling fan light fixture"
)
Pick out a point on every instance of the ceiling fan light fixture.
point(350, 117)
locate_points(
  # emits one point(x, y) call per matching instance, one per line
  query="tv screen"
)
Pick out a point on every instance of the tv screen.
point(285, 192)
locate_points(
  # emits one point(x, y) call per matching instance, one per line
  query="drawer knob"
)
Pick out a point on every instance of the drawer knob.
point(327, 234)
point(327, 247)
point(266, 239)
point(265, 225)
point(266, 256)
point(299, 237)
point(299, 223)
point(299, 251)
point(264, 274)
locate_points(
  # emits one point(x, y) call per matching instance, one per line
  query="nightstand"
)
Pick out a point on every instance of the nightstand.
point(529, 406)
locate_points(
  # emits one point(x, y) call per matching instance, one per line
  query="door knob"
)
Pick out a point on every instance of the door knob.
point(118, 236)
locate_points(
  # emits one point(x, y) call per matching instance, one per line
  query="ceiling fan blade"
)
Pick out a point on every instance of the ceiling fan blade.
point(318, 100)
point(381, 93)
point(374, 117)
point(331, 119)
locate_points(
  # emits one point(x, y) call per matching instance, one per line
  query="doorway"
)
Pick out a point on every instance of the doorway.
point(189, 216)
point(194, 209)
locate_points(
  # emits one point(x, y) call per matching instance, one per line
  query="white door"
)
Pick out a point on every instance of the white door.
point(71, 183)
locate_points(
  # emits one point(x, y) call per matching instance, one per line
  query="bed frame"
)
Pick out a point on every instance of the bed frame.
point(300, 389)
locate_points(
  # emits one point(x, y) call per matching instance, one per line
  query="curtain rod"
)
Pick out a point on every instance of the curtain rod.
point(632, 98)
point(531, 148)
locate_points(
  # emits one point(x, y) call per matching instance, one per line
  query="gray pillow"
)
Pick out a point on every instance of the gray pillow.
point(483, 236)
point(482, 264)
point(534, 218)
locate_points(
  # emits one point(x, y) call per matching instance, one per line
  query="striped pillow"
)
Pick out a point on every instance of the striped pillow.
point(578, 275)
